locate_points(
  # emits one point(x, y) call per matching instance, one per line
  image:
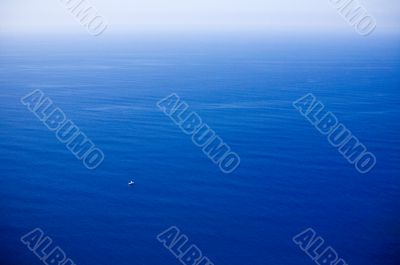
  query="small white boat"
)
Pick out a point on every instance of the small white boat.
point(130, 183)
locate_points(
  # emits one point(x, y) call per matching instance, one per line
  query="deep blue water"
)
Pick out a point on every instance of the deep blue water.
point(289, 179)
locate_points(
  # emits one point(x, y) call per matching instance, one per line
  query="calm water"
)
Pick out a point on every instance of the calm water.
point(289, 179)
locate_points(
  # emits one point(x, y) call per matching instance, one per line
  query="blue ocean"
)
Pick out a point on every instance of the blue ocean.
point(242, 86)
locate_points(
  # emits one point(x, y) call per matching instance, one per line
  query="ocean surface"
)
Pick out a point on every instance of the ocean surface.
point(290, 178)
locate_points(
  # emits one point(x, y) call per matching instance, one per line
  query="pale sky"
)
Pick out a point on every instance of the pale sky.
point(132, 15)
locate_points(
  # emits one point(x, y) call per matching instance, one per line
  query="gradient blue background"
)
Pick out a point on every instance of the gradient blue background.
point(240, 65)
point(243, 86)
